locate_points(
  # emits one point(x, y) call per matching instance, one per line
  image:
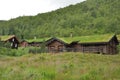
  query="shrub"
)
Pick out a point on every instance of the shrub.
point(118, 47)
point(12, 52)
point(35, 50)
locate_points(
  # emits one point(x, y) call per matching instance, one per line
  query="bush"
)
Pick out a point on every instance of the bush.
point(118, 47)
point(13, 52)
point(35, 50)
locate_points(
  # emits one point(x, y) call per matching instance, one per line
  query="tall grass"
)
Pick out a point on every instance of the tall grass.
point(66, 66)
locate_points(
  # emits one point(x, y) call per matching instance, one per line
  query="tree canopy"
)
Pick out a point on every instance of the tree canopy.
point(86, 18)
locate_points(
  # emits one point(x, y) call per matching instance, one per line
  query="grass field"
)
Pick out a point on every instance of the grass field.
point(63, 66)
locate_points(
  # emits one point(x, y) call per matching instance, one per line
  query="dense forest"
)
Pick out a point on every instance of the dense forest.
point(86, 18)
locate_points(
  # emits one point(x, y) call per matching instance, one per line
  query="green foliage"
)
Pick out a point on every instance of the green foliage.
point(118, 37)
point(13, 52)
point(1, 44)
point(88, 39)
point(66, 66)
point(86, 18)
point(7, 44)
point(37, 40)
point(34, 50)
point(118, 48)
point(43, 48)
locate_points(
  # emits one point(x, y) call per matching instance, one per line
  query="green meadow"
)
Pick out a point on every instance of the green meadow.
point(62, 66)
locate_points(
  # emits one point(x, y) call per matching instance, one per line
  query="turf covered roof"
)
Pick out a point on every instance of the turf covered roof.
point(118, 37)
point(37, 40)
point(80, 39)
point(6, 37)
point(89, 39)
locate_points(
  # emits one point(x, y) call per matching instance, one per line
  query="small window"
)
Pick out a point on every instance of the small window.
point(13, 39)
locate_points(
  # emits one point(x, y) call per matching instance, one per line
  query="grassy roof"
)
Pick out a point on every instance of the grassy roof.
point(80, 39)
point(37, 40)
point(89, 39)
point(118, 37)
point(6, 37)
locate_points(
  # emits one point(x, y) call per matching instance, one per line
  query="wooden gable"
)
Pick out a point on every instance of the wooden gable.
point(55, 45)
point(12, 39)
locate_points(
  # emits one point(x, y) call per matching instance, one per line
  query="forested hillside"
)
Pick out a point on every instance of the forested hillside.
point(86, 18)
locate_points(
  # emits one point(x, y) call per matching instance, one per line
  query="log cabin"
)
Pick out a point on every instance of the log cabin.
point(23, 43)
point(55, 45)
point(105, 44)
point(33, 42)
point(11, 40)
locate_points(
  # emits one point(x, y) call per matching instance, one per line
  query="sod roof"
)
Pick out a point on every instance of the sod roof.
point(80, 39)
point(6, 37)
point(37, 40)
point(88, 39)
point(118, 37)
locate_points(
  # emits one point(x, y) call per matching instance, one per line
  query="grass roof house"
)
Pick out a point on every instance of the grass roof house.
point(10, 40)
point(56, 45)
point(33, 42)
point(106, 44)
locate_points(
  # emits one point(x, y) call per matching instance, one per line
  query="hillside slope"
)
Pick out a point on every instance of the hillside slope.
point(86, 18)
point(66, 66)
